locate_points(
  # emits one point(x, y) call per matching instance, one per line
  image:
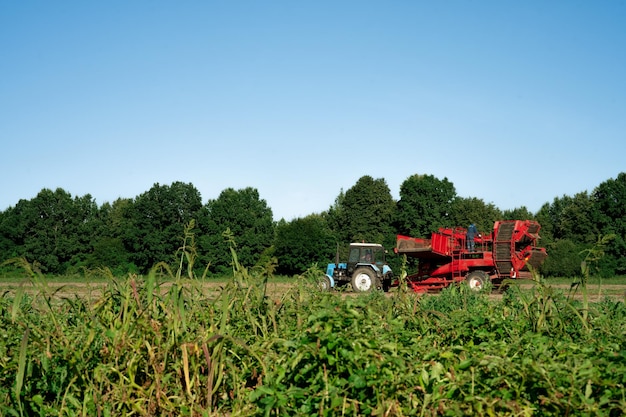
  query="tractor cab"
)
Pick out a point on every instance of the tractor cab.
point(365, 254)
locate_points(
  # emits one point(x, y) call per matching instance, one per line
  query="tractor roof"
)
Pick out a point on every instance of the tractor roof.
point(366, 244)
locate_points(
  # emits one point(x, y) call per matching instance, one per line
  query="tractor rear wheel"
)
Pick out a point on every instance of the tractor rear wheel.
point(477, 280)
point(363, 280)
point(324, 283)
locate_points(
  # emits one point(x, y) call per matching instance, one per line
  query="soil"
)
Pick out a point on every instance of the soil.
point(73, 289)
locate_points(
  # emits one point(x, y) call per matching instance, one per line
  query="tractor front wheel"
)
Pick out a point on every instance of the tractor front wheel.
point(477, 280)
point(363, 280)
point(324, 283)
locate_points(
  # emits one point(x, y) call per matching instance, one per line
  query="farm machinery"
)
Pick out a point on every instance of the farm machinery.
point(365, 269)
point(510, 251)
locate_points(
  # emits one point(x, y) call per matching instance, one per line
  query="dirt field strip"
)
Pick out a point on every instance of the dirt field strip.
point(93, 290)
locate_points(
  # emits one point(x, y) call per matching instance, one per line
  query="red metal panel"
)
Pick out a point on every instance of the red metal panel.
point(440, 244)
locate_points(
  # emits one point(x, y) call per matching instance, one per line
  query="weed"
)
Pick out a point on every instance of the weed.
point(157, 345)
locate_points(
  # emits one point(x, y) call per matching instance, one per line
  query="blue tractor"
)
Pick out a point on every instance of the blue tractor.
point(365, 270)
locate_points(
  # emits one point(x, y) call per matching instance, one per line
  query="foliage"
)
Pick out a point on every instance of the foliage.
point(465, 211)
point(365, 212)
point(53, 229)
point(62, 234)
point(110, 252)
point(334, 213)
point(573, 218)
point(188, 253)
point(579, 221)
point(248, 218)
point(303, 242)
point(159, 346)
point(109, 249)
point(517, 214)
point(610, 199)
point(424, 205)
point(155, 222)
point(588, 266)
point(564, 259)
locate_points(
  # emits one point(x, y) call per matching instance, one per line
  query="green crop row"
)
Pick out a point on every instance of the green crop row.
point(139, 349)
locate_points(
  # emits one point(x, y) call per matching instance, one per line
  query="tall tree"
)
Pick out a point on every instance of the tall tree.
point(548, 219)
point(573, 218)
point(518, 213)
point(568, 226)
point(564, 258)
point(579, 219)
point(86, 227)
point(247, 217)
point(425, 205)
point(366, 212)
point(155, 222)
point(12, 230)
point(465, 211)
point(53, 230)
point(303, 242)
point(334, 213)
point(108, 248)
point(610, 201)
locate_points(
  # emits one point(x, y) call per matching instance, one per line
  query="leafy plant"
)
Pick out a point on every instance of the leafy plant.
point(159, 345)
point(589, 263)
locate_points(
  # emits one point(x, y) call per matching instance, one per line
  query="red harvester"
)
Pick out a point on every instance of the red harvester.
point(505, 253)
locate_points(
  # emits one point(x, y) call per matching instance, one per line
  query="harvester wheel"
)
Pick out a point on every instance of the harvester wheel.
point(324, 283)
point(363, 280)
point(477, 280)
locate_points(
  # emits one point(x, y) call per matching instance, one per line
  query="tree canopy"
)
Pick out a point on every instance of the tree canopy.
point(465, 211)
point(610, 200)
point(365, 212)
point(60, 234)
point(303, 242)
point(246, 216)
point(52, 230)
point(155, 221)
point(424, 206)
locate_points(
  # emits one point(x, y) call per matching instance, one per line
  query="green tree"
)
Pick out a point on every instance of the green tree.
point(465, 211)
point(303, 242)
point(52, 230)
point(609, 199)
point(83, 230)
point(564, 258)
point(578, 219)
point(12, 231)
point(334, 213)
point(108, 248)
point(424, 206)
point(573, 218)
point(153, 225)
point(518, 213)
point(365, 213)
point(547, 218)
point(250, 221)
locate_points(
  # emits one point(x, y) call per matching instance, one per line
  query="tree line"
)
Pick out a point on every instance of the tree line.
point(62, 234)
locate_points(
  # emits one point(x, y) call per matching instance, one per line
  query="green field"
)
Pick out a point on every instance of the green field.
point(257, 346)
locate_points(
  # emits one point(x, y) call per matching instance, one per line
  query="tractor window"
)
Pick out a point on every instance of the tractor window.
point(366, 255)
point(379, 257)
point(354, 255)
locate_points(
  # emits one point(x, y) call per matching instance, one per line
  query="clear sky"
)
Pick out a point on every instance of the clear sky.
point(516, 103)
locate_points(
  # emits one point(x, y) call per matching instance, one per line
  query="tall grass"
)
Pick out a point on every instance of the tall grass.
point(142, 347)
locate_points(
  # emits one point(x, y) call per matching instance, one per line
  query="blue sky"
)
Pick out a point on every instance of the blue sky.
point(516, 103)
